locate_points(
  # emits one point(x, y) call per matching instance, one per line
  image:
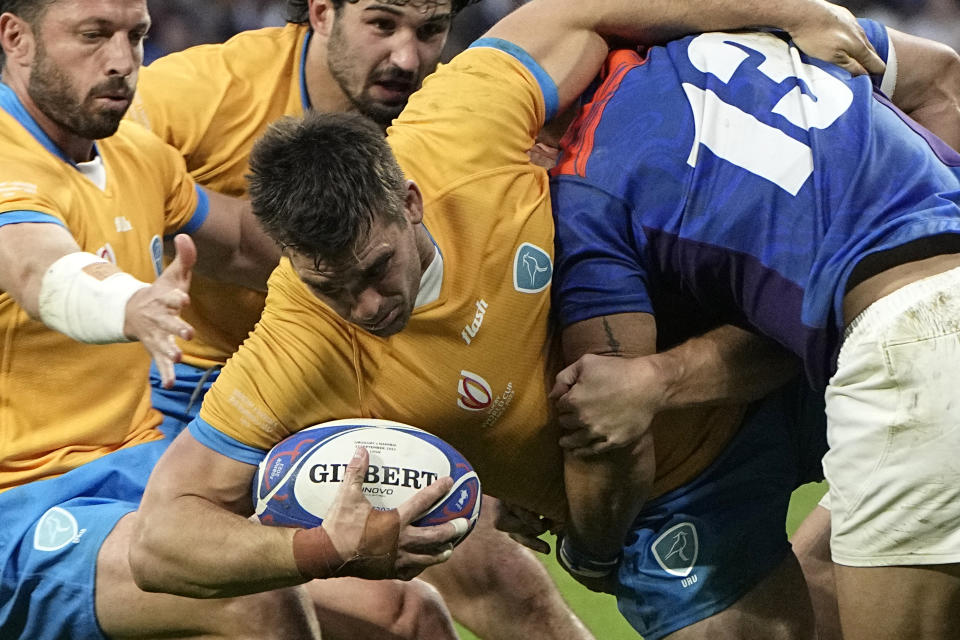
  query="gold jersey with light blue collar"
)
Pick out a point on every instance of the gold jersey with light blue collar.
point(212, 102)
point(64, 403)
point(473, 366)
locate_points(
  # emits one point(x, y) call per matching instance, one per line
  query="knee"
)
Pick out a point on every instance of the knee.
point(421, 614)
point(281, 613)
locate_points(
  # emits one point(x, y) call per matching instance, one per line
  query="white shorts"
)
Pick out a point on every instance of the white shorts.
point(893, 426)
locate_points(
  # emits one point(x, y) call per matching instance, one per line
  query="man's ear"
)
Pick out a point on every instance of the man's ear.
point(413, 204)
point(17, 40)
point(322, 15)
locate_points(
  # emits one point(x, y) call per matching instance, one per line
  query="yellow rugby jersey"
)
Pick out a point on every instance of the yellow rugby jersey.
point(472, 366)
point(65, 403)
point(212, 102)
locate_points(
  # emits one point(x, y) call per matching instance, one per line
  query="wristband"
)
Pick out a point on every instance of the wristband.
point(314, 553)
point(85, 297)
point(581, 564)
point(375, 558)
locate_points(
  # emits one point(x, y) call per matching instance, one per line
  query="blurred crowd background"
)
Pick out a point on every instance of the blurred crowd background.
point(178, 24)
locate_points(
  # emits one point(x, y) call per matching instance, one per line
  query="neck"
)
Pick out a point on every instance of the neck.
point(322, 88)
point(425, 248)
point(74, 147)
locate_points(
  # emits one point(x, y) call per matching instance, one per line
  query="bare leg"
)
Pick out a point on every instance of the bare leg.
point(811, 543)
point(124, 611)
point(499, 590)
point(350, 608)
point(778, 608)
point(892, 603)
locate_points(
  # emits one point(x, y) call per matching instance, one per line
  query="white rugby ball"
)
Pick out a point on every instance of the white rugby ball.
point(298, 479)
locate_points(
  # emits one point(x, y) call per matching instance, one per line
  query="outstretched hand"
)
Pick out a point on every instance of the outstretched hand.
point(605, 403)
point(153, 313)
point(837, 37)
point(384, 544)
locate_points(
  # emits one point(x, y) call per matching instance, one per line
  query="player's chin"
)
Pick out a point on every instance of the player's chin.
point(393, 323)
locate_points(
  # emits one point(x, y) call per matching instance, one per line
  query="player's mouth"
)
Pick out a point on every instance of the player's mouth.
point(386, 321)
point(392, 91)
point(115, 100)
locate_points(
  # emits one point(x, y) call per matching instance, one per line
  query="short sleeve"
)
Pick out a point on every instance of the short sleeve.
point(293, 371)
point(599, 268)
point(479, 113)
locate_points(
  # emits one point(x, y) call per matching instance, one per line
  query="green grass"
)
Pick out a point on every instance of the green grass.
point(599, 612)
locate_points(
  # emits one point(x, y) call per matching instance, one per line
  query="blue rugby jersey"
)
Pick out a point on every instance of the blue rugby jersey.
point(747, 176)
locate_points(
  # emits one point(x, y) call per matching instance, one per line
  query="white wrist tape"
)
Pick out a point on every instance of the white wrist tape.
point(580, 564)
point(85, 297)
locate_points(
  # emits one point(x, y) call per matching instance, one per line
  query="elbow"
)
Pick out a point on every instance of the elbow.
point(153, 572)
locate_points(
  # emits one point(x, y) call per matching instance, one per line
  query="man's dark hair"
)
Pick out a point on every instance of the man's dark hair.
point(28, 10)
point(318, 183)
point(297, 9)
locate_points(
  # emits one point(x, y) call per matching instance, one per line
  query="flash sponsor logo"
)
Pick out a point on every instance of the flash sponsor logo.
point(474, 392)
point(470, 331)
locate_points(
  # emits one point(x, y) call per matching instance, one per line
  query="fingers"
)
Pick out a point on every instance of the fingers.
point(180, 268)
point(352, 489)
point(417, 504)
point(574, 441)
point(531, 542)
point(565, 380)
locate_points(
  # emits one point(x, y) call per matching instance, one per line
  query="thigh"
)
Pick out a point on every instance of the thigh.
point(894, 432)
point(51, 535)
point(124, 611)
point(777, 608)
point(892, 603)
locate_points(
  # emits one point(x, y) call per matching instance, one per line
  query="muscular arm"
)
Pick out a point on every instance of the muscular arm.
point(607, 489)
point(151, 314)
point(231, 245)
point(193, 485)
point(193, 538)
point(928, 84)
point(26, 252)
point(570, 41)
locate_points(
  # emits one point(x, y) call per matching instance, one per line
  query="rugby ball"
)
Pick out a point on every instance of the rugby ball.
point(297, 481)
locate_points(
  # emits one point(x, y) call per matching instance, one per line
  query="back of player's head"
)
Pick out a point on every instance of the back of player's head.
point(318, 183)
point(297, 9)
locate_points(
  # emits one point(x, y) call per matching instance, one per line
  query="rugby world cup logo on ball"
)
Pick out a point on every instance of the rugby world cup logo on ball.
point(298, 480)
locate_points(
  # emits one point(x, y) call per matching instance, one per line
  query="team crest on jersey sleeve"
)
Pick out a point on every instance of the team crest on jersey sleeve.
point(156, 254)
point(532, 269)
point(56, 529)
point(676, 549)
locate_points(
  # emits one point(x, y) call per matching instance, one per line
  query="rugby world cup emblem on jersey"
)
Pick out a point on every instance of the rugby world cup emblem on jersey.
point(532, 269)
point(474, 392)
point(676, 549)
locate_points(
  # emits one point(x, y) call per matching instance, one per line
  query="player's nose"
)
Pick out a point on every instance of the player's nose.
point(366, 305)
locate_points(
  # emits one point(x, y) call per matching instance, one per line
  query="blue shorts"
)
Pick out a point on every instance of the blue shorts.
point(181, 404)
point(697, 550)
point(51, 533)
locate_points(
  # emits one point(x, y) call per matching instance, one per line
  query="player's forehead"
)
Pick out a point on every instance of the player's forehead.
point(115, 14)
point(378, 247)
point(419, 10)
